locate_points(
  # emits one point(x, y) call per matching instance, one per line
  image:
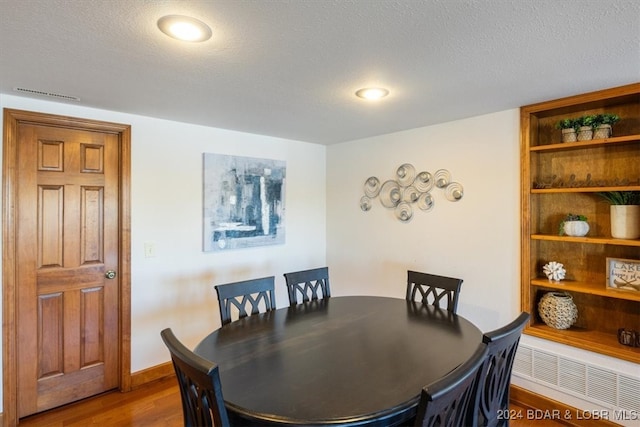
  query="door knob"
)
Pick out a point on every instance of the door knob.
point(111, 274)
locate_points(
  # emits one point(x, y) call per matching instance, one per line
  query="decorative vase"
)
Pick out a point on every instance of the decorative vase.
point(558, 310)
point(569, 135)
point(602, 132)
point(585, 133)
point(625, 221)
point(576, 228)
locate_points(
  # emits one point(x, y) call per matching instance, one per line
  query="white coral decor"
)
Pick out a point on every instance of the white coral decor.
point(554, 270)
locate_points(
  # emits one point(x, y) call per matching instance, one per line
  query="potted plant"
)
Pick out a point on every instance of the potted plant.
point(585, 127)
point(603, 124)
point(569, 129)
point(625, 213)
point(574, 225)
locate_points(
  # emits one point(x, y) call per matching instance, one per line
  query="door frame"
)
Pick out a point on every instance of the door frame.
point(10, 184)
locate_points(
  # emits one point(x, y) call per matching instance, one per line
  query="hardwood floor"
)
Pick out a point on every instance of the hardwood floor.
point(154, 404)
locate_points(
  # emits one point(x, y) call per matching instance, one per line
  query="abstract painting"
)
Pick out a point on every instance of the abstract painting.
point(243, 201)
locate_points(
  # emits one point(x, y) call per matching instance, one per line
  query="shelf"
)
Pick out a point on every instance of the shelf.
point(583, 189)
point(602, 99)
point(587, 144)
point(587, 288)
point(587, 339)
point(589, 240)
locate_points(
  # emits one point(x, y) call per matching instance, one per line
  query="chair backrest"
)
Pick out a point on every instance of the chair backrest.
point(449, 401)
point(495, 375)
point(309, 284)
point(246, 294)
point(199, 383)
point(433, 289)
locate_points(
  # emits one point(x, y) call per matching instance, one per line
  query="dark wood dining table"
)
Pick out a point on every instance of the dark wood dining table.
point(349, 361)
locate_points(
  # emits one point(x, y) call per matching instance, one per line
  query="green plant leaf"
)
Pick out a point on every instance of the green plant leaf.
point(621, 197)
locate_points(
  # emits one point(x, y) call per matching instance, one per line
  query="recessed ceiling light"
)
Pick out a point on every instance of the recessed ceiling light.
point(184, 28)
point(372, 93)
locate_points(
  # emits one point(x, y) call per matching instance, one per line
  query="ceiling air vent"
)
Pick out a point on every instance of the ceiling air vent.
point(48, 94)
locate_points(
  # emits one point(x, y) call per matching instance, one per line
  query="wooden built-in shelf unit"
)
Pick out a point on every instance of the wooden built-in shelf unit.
point(612, 161)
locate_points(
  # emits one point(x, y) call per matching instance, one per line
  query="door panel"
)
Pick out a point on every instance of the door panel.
point(50, 348)
point(67, 238)
point(50, 225)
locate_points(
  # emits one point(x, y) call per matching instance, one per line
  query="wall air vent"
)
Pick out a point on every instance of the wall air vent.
point(48, 94)
point(575, 377)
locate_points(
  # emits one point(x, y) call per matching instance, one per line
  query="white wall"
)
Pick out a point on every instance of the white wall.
point(175, 289)
point(475, 238)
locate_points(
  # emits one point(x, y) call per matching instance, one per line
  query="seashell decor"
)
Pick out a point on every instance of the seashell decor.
point(554, 271)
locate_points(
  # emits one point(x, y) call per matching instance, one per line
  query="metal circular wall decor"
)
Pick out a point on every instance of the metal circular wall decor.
point(405, 174)
point(365, 203)
point(403, 211)
point(410, 194)
point(454, 192)
point(442, 177)
point(425, 202)
point(424, 182)
point(372, 187)
point(409, 189)
point(390, 194)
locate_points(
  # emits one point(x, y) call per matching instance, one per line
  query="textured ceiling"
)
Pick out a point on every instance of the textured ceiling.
point(289, 68)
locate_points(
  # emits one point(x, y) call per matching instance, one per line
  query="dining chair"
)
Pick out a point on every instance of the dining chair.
point(448, 402)
point(495, 375)
point(311, 285)
point(433, 289)
point(199, 384)
point(244, 294)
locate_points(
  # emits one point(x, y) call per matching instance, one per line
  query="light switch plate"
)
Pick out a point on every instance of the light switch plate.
point(149, 249)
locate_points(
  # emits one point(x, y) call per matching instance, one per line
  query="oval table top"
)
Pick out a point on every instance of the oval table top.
point(357, 360)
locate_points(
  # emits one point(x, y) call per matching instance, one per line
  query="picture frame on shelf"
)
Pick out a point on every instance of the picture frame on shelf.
point(623, 274)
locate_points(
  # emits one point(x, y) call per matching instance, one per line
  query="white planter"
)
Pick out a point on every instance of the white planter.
point(576, 228)
point(569, 135)
point(625, 221)
point(585, 133)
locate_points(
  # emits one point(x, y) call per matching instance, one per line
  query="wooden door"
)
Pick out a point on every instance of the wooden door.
point(66, 242)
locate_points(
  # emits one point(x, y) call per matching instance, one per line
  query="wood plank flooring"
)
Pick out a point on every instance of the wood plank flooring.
point(154, 404)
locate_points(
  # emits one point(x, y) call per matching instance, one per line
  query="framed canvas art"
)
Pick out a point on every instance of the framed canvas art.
point(243, 200)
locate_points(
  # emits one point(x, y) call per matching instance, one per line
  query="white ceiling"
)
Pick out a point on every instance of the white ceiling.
point(289, 68)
